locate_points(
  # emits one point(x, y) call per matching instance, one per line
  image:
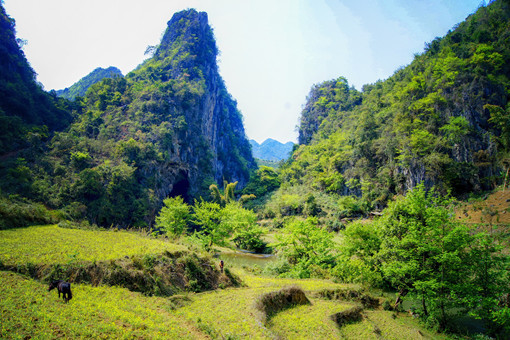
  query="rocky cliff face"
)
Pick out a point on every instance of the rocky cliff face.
point(213, 145)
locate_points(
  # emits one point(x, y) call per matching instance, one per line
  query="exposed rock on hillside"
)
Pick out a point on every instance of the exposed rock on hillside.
point(210, 143)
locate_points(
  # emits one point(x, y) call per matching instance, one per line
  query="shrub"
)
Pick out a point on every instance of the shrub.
point(16, 214)
point(366, 300)
point(278, 267)
point(174, 216)
point(306, 246)
point(250, 239)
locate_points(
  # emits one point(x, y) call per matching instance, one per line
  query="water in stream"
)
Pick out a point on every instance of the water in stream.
point(241, 259)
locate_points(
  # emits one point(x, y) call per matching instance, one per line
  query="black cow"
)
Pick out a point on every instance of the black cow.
point(62, 287)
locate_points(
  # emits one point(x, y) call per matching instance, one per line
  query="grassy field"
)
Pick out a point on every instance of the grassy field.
point(304, 321)
point(52, 245)
point(29, 310)
point(232, 312)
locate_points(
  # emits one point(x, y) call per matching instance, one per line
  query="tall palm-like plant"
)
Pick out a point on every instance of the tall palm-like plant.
point(228, 195)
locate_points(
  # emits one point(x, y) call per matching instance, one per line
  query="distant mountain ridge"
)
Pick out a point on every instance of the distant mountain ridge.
point(271, 150)
point(81, 86)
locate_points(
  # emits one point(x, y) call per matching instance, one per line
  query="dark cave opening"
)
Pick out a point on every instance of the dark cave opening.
point(181, 187)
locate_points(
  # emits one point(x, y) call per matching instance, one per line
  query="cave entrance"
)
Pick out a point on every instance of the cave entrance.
point(181, 187)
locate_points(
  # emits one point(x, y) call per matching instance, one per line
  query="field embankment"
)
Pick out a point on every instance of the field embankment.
point(116, 258)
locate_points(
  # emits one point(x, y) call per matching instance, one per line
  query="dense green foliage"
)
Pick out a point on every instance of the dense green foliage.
point(168, 128)
point(17, 213)
point(325, 99)
point(174, 217)
point(263, 181)
point(416, 248)
point(79, 88)
point(227, 195)
point(212, 223)
point(425, 252)
point(427, 123)
point(307, 247)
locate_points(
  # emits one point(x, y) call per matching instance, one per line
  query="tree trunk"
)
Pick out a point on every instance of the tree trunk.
point(403, 292)
point(506, 177)
point(424, 304)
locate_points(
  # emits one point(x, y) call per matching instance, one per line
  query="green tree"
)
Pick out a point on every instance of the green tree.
point(490, 268)
point(242, 224)
point(359, 259)
point(263, 181)
point(174, 217)
point(306, 246)
point(228, 195)
point(208, 216)
point(501, 119)
point(425, 252)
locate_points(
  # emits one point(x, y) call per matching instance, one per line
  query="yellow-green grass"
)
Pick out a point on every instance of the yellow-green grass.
point(52, 245)
point(29, 310)
point(381, 325)
point(227, 313)
point(232, 312)
point(308, 285)
point(308, 321)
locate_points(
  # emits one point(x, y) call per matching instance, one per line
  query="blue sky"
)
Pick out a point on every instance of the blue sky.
point(272, 51)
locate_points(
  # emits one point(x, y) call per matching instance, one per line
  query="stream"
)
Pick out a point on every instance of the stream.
point(242, 258)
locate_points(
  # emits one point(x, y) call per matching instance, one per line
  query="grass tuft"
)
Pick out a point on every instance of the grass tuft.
point(271, 303)
point(348, 316)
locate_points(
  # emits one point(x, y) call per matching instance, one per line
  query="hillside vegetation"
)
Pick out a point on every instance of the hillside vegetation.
point(168, 128)
point(79, 88)
point(24, 106)
point(440, 121)
point(361, 233)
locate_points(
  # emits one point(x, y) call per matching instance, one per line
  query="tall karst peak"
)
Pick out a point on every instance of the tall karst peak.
point(190, 31)
point(185, 62)
point(172, 127)
point(168, 128)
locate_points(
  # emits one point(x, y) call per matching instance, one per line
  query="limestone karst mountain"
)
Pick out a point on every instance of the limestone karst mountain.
point(167, 128)
point(439, 120)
